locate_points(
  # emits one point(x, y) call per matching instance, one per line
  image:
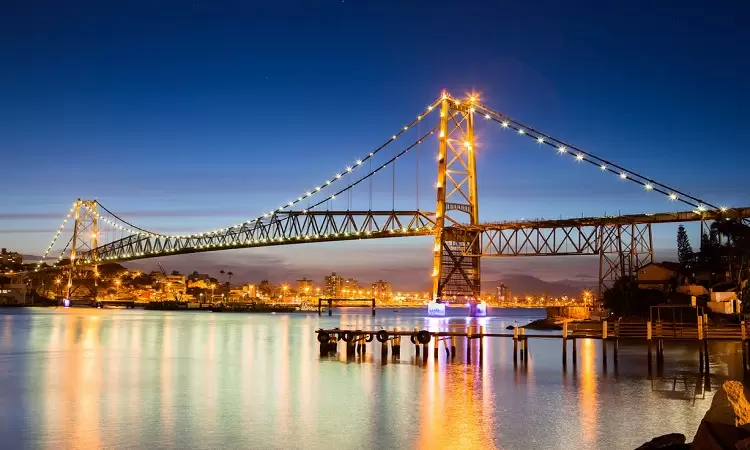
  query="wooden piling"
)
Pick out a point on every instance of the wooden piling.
point(574, 343)
point(416, 343)
point(705, 359)
point(436, 346)
point(468, 345)
point(396, 345)
point(481, 341)
point(515, 346)
point(565, 344)
point(453, 346)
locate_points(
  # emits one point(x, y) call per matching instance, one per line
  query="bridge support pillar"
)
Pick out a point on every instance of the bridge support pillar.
point(456, 268)
point(83, 274)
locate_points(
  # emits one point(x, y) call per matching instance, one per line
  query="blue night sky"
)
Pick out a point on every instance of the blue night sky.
point(185, 116)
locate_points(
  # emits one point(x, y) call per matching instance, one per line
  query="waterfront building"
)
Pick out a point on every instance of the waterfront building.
point(10, 260)
point(333, 285)
point(503, 294)
point(382, 291)
point(304, 287)
point(250, 291)
point(351, 285)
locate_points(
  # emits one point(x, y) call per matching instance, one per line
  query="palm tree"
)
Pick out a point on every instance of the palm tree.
point(222, 273)
point(230, 276)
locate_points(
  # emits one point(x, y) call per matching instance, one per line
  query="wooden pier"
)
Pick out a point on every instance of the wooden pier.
point(652, 334)
point(344, 302)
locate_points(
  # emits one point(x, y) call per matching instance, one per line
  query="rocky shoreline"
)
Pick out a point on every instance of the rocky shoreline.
point(726, 424)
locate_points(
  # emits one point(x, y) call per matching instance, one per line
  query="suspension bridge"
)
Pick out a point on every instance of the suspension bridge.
point(623, 243)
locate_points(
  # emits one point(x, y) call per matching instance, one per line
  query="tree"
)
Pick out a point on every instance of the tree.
point(230, 274)
point(684, 250)
point(222, 273)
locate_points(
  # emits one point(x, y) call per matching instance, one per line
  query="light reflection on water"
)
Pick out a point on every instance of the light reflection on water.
point(87, 378)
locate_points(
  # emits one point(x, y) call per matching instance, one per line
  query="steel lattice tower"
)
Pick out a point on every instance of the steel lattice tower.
point(84, 241)
point(455, 273)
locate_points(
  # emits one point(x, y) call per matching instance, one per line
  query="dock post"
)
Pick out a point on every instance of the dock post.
point(373, 307)
point(424, 352)
point(384, 350)
point(705, 359)
point(515, 345)
point(468, 344)
point(524, 346)
point(648, 342)
point(396, 345)
point(574, 343)
point(565, 343)
point(617, 343)
point(604, 343)
point(481, 341)
point(330, 307)
point(453, 347)
point(416, 344)
point(701, 356)
point(436, 346)
point(319, 306)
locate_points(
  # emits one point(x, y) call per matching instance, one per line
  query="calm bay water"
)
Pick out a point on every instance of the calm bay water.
point(88, 378)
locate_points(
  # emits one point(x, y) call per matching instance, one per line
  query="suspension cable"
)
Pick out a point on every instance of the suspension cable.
point(603, 164)
point(378, 169)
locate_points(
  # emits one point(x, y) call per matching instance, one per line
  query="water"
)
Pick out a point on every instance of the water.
point(89, 378)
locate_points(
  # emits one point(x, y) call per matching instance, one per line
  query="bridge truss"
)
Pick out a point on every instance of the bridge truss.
point(460, 240)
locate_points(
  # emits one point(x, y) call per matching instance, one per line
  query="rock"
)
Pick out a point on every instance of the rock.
point(543, 324)
point(726, 424)
point(672, 441)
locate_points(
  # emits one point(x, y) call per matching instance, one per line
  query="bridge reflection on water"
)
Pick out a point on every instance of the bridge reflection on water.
point(90, 378)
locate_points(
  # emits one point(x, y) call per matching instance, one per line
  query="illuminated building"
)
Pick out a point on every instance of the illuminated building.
point(381, 290)
point(503, 294)
point(333, 285)
point(304, 286)
point(10, 260)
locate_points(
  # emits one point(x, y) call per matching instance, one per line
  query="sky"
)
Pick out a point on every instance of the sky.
point(186, 116)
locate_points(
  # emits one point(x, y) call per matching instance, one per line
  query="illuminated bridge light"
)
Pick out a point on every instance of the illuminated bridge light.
point(623, 175)
point(648, 186)
point(579, 157)
point(673, 196)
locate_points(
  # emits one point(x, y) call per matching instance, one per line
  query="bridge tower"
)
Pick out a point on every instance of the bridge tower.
point(455, 274)
point(85, 239)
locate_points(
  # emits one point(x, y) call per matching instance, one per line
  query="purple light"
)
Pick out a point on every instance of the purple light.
point(435, 309)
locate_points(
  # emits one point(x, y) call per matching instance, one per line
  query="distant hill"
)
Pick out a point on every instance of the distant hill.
point(527, 285)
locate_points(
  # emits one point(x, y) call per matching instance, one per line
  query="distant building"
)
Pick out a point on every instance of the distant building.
point(333, 285)
point(350, 287)
point(663, 276)
point(381, 290)
point(503, 294)
point(199, 284)
point(10, 260)
point(12, 293)
point(304, 287)
point(250, 290)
